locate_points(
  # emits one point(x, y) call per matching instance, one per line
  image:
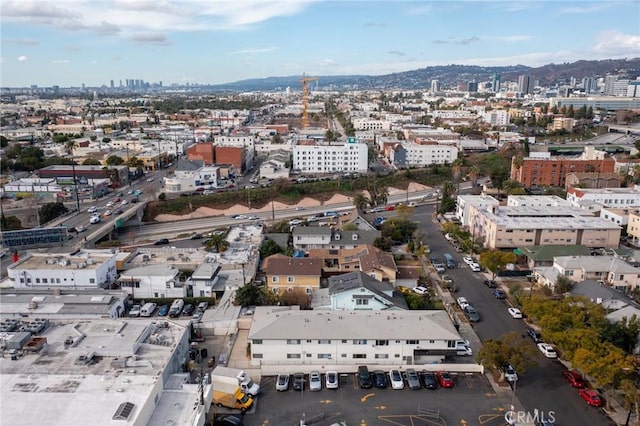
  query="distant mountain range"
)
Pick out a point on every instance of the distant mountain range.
point(448, 76)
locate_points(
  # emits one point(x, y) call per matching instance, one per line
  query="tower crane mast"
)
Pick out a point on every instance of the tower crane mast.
point(305, 99)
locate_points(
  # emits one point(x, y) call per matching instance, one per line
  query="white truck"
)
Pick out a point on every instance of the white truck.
point(237, 377)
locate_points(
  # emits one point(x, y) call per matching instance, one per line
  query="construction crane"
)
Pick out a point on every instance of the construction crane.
point(305, 99)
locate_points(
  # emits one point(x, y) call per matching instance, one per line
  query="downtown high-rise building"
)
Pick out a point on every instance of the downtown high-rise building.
point(609, 82)
point(524, 84)
point(495, 84)
point(435, 86)
point(589, 85)
point(112, 84)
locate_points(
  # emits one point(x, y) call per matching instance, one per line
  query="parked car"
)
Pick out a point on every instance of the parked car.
point(498, 294)
point(468, 260)
point(510, 374)
point(331, 380)
point(315, 381)
point(379, 379)
point(591, 397)
point(197, 316)
point(547, 350)
point(490, 283)
point(575, 379)
point(188, 309)
point(229, 421)
point(444, 379)
point(475, 267)
point(135, 311)
point(471, 313)
point(282, 382)
point(515, 313)
point(396, 380)
point(535, 335)
point(202, 306)
point(364, 377)
point(163, 311)
point(161, 241)
point(462, 302)
point(196, 237)
point(420, 290)
point(429, 380)
point(298, 381)
point(413, 380)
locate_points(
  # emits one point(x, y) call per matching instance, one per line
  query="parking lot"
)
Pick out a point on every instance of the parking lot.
point(471, 401)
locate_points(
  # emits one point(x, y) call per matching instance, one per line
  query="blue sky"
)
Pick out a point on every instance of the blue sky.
point(70, 42)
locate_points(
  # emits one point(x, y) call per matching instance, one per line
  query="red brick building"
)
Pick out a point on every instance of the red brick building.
point(234, 155)
point(203, 152)
point(553, 171)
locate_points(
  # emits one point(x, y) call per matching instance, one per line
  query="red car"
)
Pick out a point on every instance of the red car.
point(574, 378)
point(591, 397)
point(444, 379)
point(390, 208)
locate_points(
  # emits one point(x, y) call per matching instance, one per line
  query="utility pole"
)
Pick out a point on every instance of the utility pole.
point(75, 186)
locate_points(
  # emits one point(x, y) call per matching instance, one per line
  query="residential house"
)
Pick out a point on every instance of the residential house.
point(592, 180)
point(633, 229)
point(288, 336)
point(366, 258)
point(286, 273)
point(358, 291)
point(610, 270)
point(407, 276)
point(542, 256)
point(203, 281)
point(152, 281)
point(610, 299)
point(310, 237)
point(354, 217)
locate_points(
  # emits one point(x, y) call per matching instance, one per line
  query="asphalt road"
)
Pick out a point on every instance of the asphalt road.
point(541, 388)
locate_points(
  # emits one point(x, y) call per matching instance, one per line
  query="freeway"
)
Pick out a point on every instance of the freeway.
point(542, 387)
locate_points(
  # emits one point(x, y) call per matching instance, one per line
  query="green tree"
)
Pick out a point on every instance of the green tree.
point(623, 333)
point(496, 260)
point(251, 295)
point(91, 162)
point(269, 247)
point(114, 160)
point(295, 297)
point(398, 229)
point(10, 223)
point(162, 196)
point(563, 284)
point(383, 243)
point(217, 243)
point(50, 211)
point(508, 349)
point(350, 226)
point(4, 142)
point(417, 301)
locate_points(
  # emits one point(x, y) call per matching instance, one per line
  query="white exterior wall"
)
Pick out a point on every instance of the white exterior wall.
point(608, 198)
point(311, 241)
point(338, 352)
point(496, 118)
point(345, 300)
point(464, 204)
point(64, 278)
point(153, 287)
point(351, 157)
point(425, 155)
point(369, 124)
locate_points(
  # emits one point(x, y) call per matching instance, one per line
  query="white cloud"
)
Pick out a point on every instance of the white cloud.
point(60, 61)
point(157, 39)
point(419, 10)
point(22, 58)
point(254, 51)
point(617, 43)
point(582, 9)
point(23, 41)
point(327, 63)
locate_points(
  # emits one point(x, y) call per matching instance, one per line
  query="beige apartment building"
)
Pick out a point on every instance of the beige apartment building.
point(633, 228)
point(504, 227)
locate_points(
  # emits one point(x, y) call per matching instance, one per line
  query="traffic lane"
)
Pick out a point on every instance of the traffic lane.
point(470, 399)
point(543, 388)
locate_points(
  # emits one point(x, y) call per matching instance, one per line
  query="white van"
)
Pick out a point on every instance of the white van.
point(148, 309)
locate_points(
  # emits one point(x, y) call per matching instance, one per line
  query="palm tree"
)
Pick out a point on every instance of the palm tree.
point(474, 171)
point(360, 201)
point(70, 145)
point(217, 242)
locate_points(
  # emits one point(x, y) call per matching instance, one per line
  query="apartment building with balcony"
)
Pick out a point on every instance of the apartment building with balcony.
point(316, 157)
point(541, 169)
point(503, 227)
point(606, 197)
point(412, 154)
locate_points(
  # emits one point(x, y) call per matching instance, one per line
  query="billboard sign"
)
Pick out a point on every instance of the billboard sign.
point(35, 238)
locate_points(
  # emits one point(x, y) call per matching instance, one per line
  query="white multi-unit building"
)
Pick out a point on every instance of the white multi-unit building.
point(607, 197)
point(465, 202)
point(323, 157)
point(411, 154)
point(497, 117)
point(282, 336)
point(371, 124)
point(189, 175)
point(85, 269)
point(618, 216)
point(536, 201)
point(152, 281)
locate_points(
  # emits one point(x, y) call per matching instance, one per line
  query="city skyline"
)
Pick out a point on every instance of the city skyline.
point(72, 42)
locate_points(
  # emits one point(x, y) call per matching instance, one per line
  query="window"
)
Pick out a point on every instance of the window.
point(382, 343)
point(324, 356)
point(450, 343)
point(293, 356)
point(92, 280)
point(324, 342)
point(359, 356)
point(412, 342)
point(257, 341)
point(343, 341)
point(360, 301)
point(275, 279)
point(290, 279)
point(37, 280)
point(257, 356)
point(343, 355)
point(308, 355)
point(360, 342)
point(382, 356)
point(293, 341)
